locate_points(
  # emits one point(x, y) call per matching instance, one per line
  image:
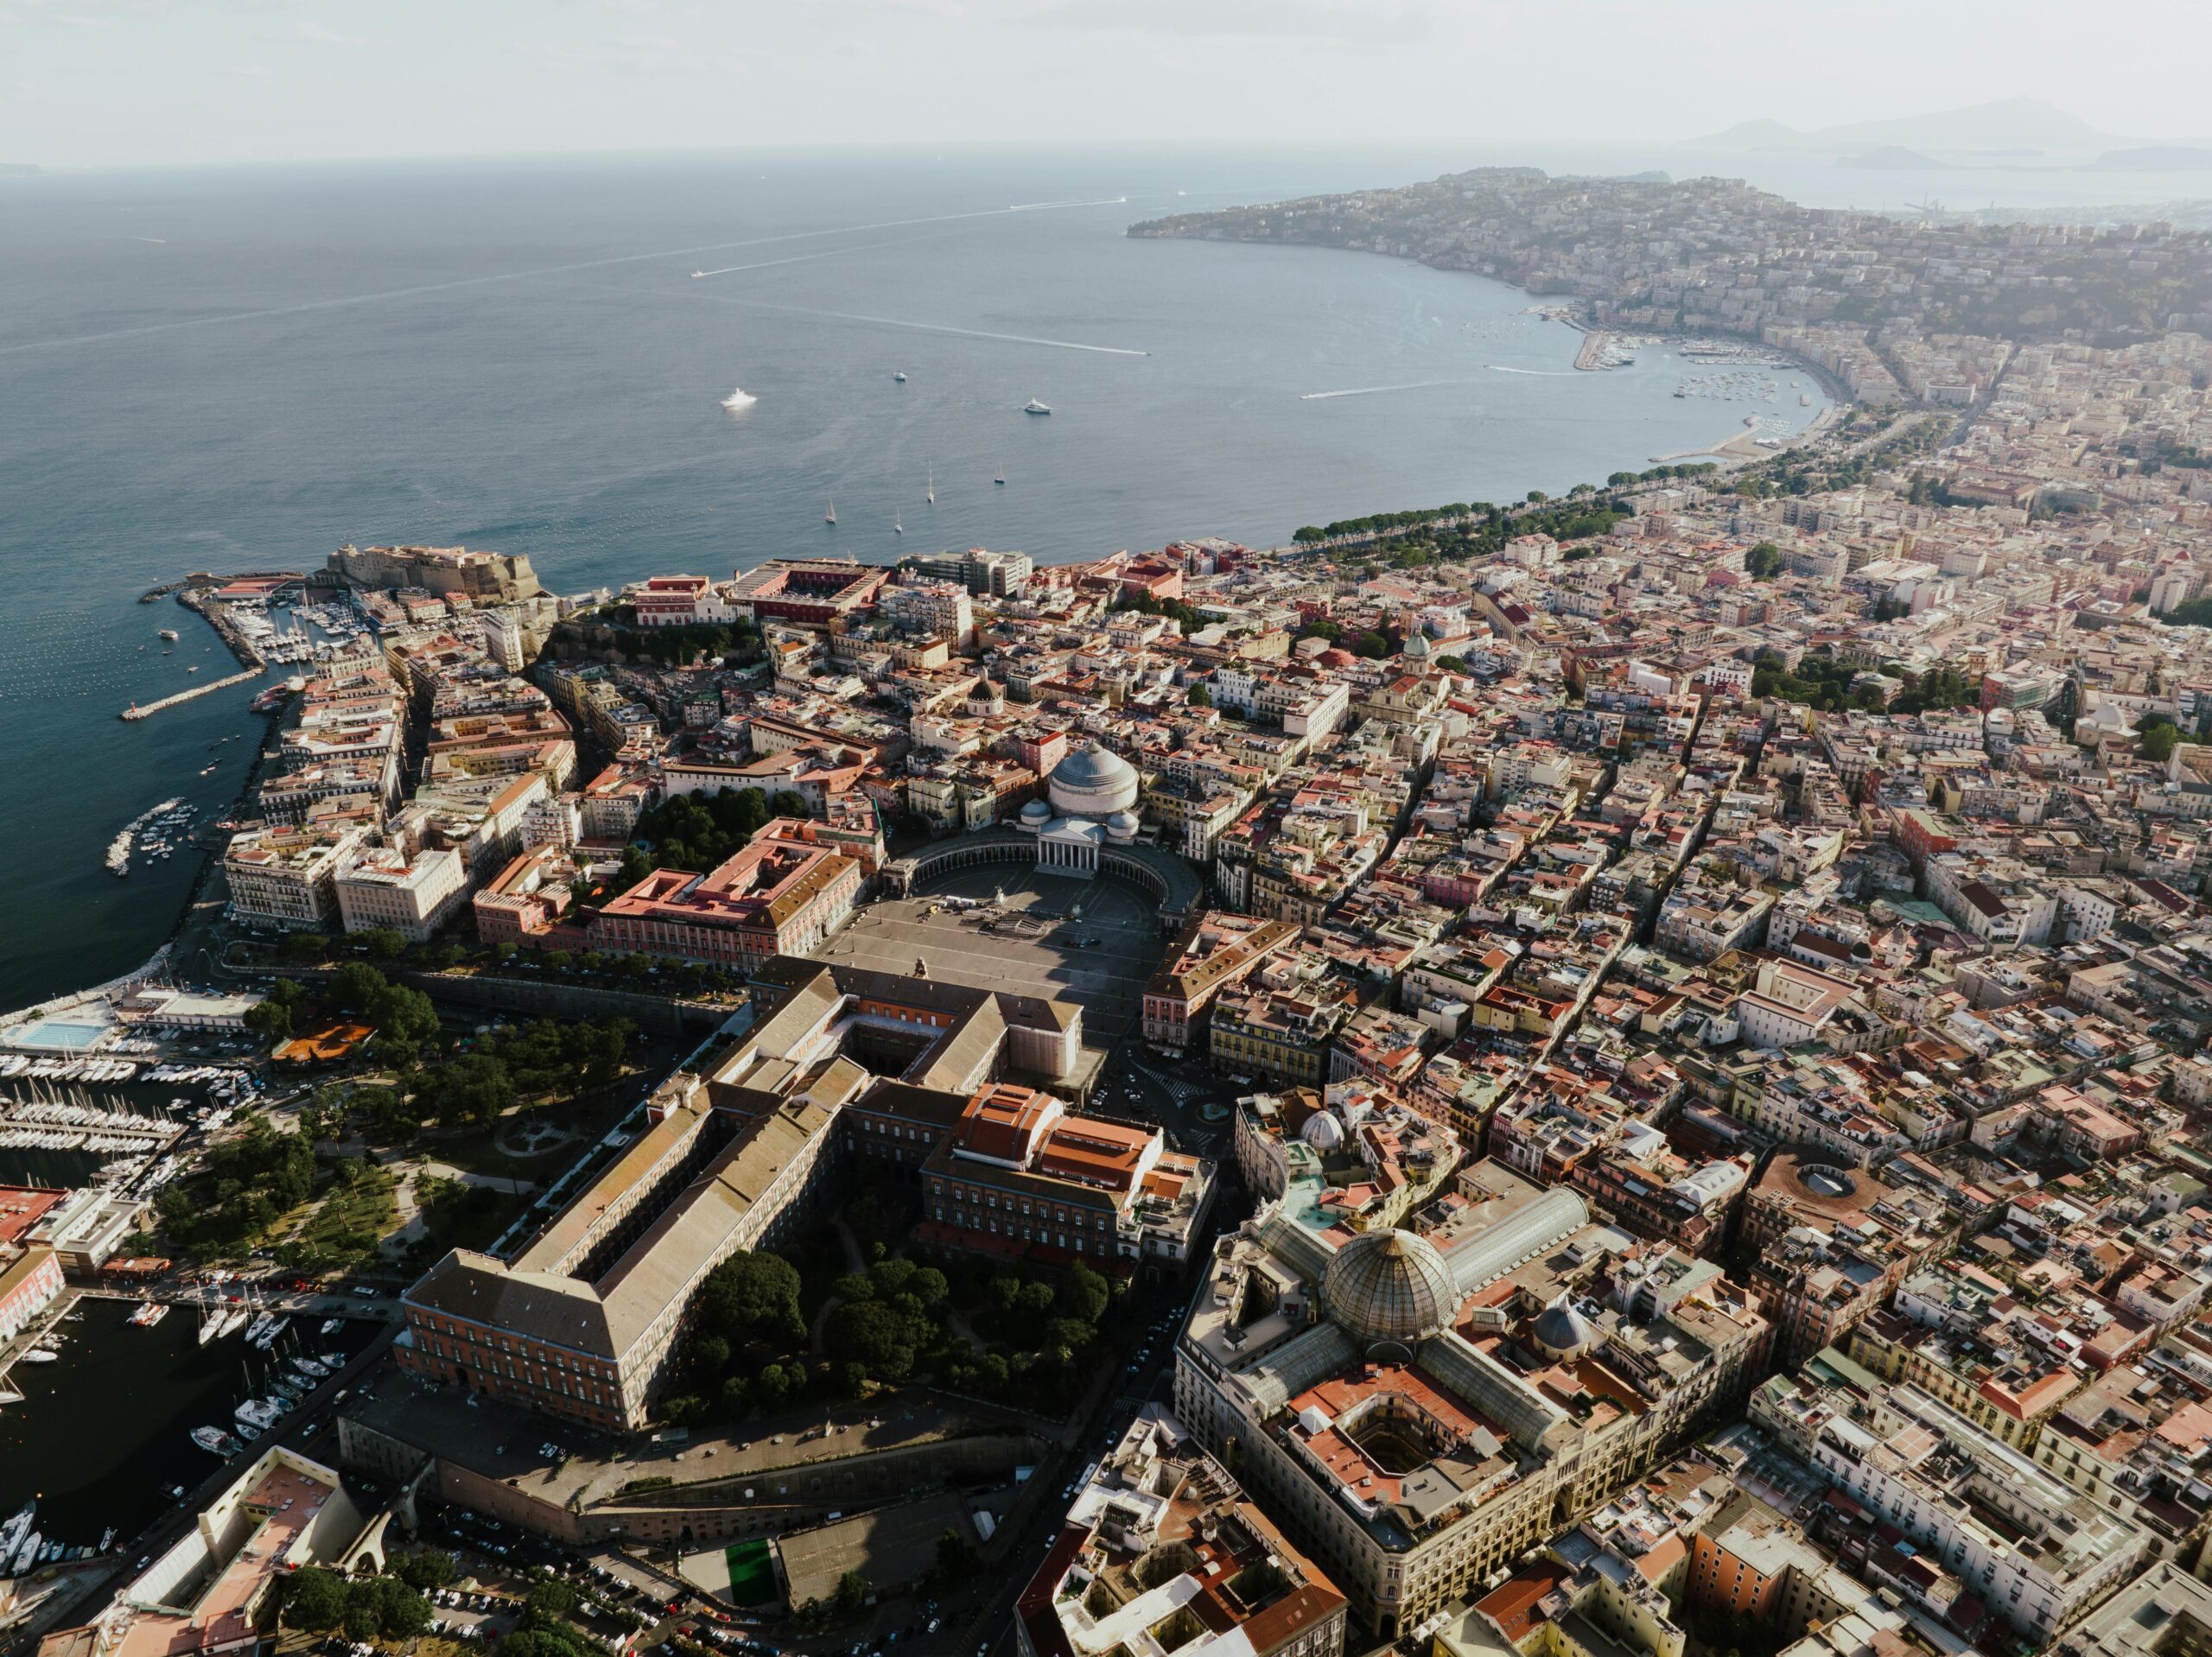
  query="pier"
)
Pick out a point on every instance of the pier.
point(1593, 346)
point(147, 710)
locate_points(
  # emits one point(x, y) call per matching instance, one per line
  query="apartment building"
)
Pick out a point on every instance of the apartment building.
point(412, 893)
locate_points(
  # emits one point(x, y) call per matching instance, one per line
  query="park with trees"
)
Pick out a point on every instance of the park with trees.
point(774, 1331)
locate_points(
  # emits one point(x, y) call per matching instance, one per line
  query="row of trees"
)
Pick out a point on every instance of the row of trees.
point(390, 1606)
point(1381, 523)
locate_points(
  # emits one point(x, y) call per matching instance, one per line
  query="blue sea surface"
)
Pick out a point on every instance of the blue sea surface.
point(243, 369)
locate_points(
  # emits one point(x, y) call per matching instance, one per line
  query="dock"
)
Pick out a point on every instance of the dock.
point(1593, 346)
point(79, 1125)
point(147, 710)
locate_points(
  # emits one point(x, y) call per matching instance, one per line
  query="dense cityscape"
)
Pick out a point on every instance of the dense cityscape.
point(1616, 1075)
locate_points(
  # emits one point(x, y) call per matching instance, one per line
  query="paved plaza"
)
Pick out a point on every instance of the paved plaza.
point(1094, 943)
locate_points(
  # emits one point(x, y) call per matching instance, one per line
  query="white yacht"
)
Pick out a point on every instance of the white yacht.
point(1034, 406)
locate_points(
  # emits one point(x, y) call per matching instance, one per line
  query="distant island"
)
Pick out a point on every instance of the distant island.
point(17, 169)
point(2156, 158)
point(1893, 158)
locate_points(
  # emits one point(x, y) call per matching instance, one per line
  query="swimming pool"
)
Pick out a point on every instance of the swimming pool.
point(55, 1037)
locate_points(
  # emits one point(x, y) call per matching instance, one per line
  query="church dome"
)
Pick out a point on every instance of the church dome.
point(1390, 1285)
point(1093, 782)
point(1561, 1331)
point(1322, 1131)
point(1122, 825)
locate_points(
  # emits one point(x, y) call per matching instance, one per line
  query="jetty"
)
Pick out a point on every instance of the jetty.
point(147, 710)
point(1593, 347)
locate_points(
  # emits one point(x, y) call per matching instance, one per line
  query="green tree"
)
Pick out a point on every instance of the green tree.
point(271, 1020)
point(752, 1296)
point(382, 943)
point(957, 1560)
point(315, 1598)
point(2157, 737)
point(473, 1091)
point(1371, 644)
point(400, 1611)
point(1068, 1335)
point(852, 1594)
point(1763, 561)
point(355, 984)
point(405, 1018)
point(549, 1600)
point(928, 1285)
point(1083, 1294)
point(636, 866)
point(870, 1333)
point(787, 802)
point(1200, 696)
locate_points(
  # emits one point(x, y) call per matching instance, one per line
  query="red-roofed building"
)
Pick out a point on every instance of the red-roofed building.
point(22, 1207)
point(680, 602)
point(1021, 1177)
point(773, 898)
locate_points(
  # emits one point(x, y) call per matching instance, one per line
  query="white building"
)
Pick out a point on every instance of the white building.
point(2037, 1551)
point(412, 894)
point(284, 877)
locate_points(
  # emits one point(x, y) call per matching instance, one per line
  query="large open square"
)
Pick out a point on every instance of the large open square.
point(1094, 943)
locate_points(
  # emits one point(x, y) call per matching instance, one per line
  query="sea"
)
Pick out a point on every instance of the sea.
point(242, 369)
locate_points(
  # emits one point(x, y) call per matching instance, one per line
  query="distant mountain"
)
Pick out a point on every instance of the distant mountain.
point(1752, 135)
point(17, 169)
point(2011, 126)
point(1894, 158)
point(2158, 158)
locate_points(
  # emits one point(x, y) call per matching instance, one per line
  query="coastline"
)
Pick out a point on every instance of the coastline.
point(1572, 312)
point(186, 591)
point(190, 589)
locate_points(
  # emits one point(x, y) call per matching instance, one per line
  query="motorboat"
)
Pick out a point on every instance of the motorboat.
point(1034, 406)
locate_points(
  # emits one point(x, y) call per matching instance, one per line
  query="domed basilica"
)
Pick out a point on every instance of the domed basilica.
point(1094, 798)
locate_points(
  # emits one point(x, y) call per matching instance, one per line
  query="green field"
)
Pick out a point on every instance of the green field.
point(752, 1572)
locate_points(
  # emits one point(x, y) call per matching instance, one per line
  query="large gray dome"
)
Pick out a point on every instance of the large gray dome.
point(1093, 782)
point(1390, 1285)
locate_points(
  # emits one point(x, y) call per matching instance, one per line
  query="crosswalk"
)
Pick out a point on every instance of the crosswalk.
point(1181, 1091)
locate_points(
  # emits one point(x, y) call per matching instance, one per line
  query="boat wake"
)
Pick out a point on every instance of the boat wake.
point(1540, 373)
point(1372, 391)
point(739, 399)
point(923, 327)
point(1049, 207)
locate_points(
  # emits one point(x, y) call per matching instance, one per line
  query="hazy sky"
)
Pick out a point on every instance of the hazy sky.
point(95, 83)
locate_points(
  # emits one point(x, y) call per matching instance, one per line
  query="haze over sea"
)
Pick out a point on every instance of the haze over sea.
point(232, 370)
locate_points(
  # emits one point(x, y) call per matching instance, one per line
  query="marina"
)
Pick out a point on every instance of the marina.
point(77, 1124)
point(103, 1437)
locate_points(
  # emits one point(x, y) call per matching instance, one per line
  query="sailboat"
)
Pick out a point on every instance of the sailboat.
point(1001, 477)
point(830, 517)
point(931, 496)
point(897, 527)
